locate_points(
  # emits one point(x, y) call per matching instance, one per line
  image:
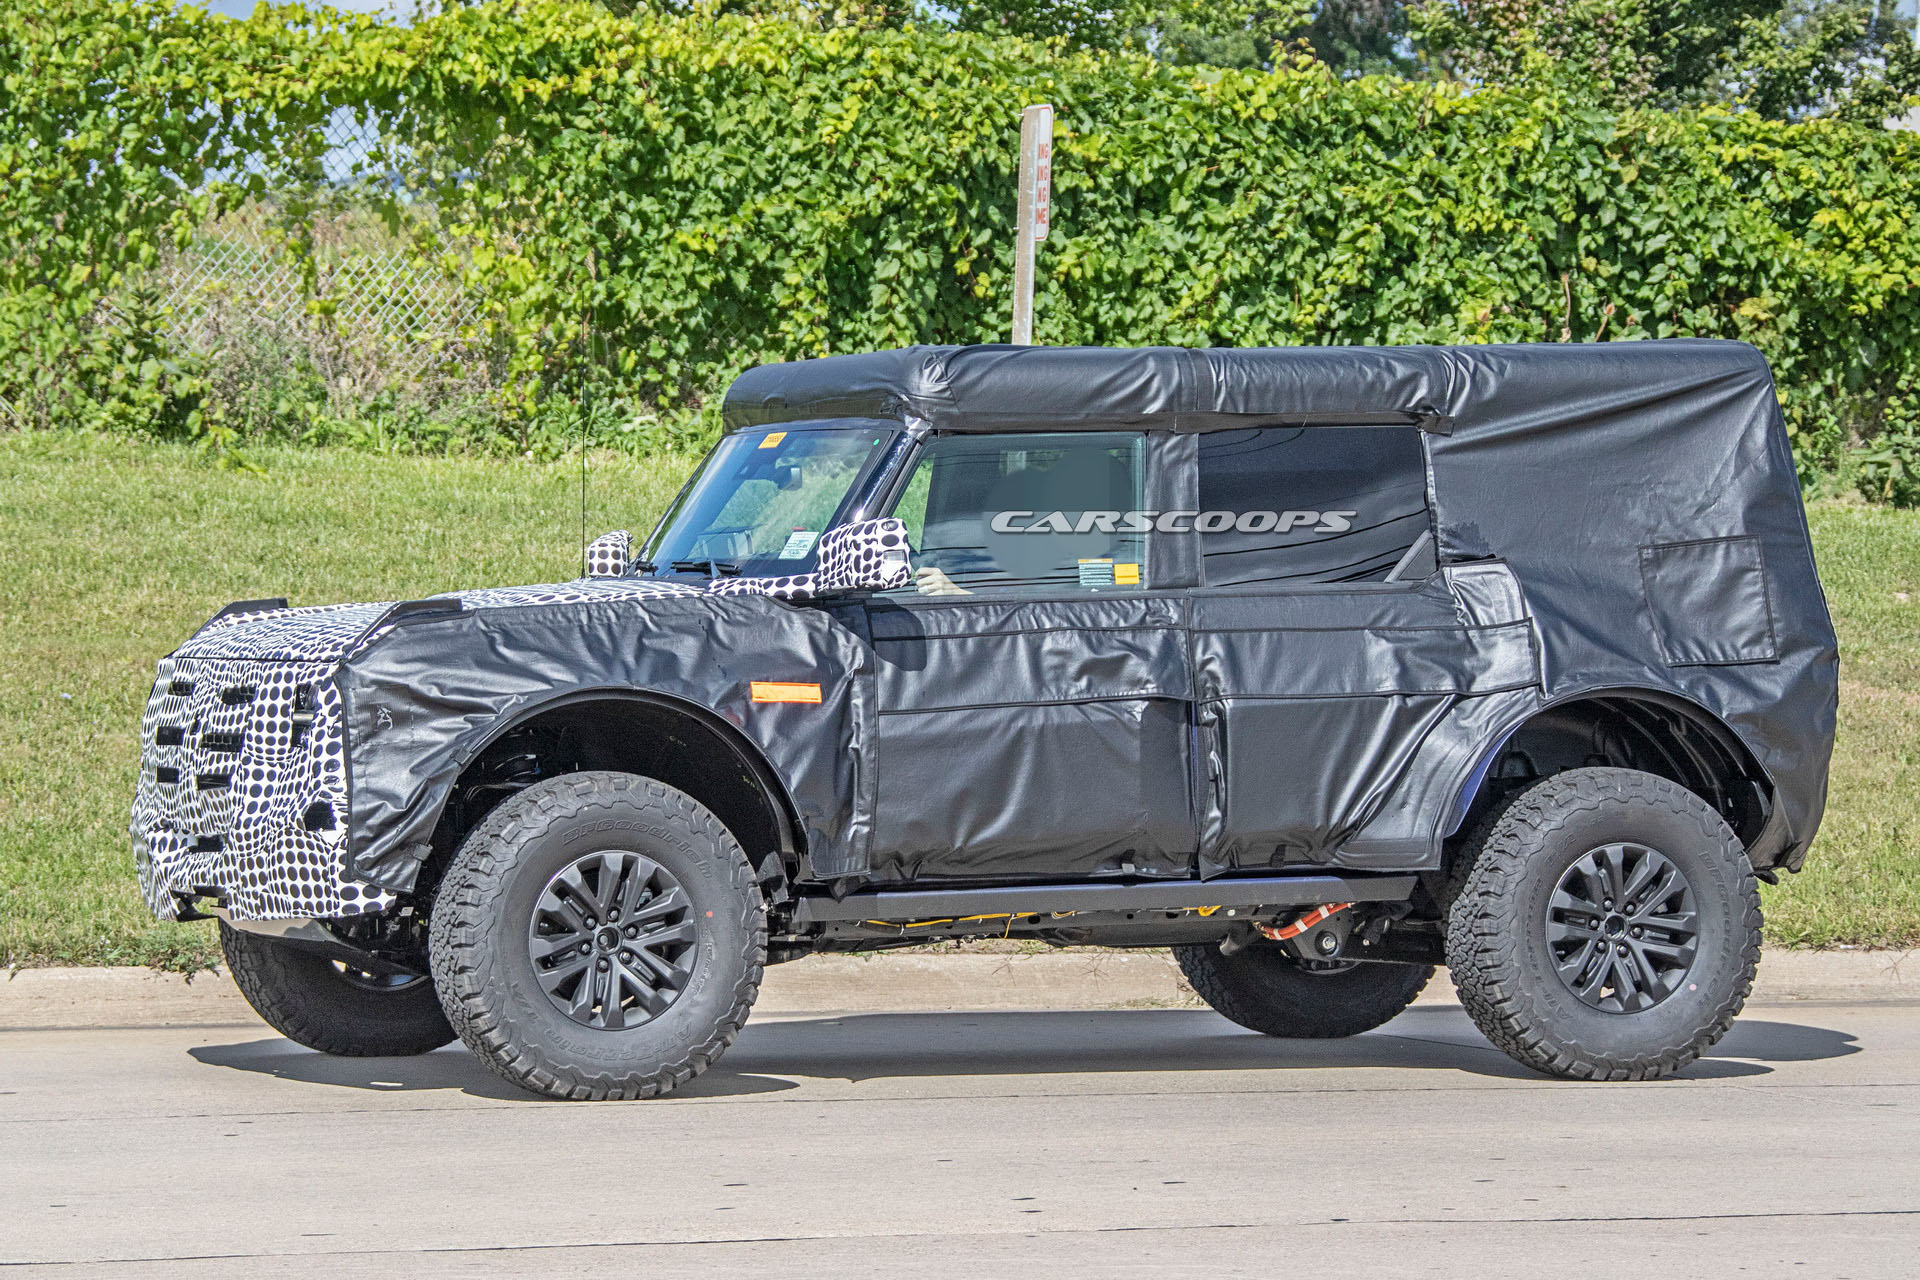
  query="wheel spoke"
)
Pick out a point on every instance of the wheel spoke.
point(664, 905)
point(1680, 923)
point(652, 999)
point(573, 904)
point(1564, 900)
point(669, 935)
point(608, 884)
point(551, 980)
point(1626, 983)
point(580, 1008)
point(1612, 863)
point(1574, 968)
point(1660, 890)
point(553, 946)
point(613, 1014)
point(1658, 980)
point(640, 873)
point(1570, 931)
point(1650, 866)
point(1674, 953)
point(666, 971)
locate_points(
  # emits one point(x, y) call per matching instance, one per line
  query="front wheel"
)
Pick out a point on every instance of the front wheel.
point(1607, 927)
point(332, 1007)
point(599, 935)
point(1263, 988)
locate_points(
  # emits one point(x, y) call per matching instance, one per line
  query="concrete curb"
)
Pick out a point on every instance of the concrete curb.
point(903, 981)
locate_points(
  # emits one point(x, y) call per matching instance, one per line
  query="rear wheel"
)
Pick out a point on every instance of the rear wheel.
point(599, 935)
point(1264, 988)
point(1607, 926)
point(328, 1006)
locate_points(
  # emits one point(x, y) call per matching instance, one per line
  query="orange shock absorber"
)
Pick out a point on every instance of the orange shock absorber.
point(1319, 915)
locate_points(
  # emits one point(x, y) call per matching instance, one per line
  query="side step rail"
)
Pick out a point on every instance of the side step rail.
point(1161, 895)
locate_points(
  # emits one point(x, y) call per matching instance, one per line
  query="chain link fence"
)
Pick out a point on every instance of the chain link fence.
point(373, 315)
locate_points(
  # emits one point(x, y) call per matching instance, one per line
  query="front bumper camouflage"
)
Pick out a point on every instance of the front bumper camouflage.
point(242, 791)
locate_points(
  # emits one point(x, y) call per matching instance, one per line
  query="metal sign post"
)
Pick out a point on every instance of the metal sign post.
point(1034, 214)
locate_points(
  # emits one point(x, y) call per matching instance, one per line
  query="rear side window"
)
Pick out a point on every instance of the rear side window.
point(1299, 505)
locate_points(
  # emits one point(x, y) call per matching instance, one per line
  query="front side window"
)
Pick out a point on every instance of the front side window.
point(1040, 511)
point(1288, 506)
point(761, 500)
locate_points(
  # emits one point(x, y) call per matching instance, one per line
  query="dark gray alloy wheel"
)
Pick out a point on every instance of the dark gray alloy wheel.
point(1622, 927)
point(598, 935)
point(1607, 926)
point(328, 1006)
point(612, 938)
point(1264, 988)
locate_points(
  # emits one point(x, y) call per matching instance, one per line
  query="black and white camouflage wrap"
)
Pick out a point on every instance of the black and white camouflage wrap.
point(871, 554)
point(244, 796)
point(610, 555)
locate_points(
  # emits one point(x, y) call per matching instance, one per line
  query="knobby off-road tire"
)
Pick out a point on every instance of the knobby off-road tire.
point(309, 1000)
point(646, 879)
point(1265, 989)
point(1536, 901)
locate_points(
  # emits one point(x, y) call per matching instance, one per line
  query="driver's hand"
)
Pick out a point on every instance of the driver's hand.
point(934, 582)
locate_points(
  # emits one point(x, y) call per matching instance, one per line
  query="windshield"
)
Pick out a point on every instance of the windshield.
point(761, 500)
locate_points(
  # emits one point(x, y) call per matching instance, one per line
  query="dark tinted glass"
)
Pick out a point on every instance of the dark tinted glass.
point(1313, 504)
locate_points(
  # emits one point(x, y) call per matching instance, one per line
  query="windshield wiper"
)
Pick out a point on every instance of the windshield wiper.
point(712, 568)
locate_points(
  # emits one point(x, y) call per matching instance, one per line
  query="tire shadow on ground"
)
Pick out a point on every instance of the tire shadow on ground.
point(776, 1054)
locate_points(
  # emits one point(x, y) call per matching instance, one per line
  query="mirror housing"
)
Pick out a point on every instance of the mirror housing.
point(870, 555)
point(610, 555)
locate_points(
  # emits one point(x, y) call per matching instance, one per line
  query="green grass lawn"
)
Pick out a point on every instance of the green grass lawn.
point(113, 552)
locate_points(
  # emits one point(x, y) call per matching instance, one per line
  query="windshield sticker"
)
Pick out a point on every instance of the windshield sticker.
point(798, 543)
point(1107, 573)
point(773, 440)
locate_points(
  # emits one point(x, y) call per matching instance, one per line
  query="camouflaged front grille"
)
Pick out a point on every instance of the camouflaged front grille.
point(241, 774)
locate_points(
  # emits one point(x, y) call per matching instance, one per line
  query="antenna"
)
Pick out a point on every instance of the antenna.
point(586, 413)
point(596, 348)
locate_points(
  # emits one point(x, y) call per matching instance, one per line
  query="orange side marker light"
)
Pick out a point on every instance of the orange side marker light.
point(784, 691)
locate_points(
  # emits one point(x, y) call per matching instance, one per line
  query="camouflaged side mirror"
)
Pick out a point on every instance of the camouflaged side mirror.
point(610, 555)
point(868, 556)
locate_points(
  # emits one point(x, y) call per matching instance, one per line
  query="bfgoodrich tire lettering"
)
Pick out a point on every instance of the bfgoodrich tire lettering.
point(1265, 989)
point(1504, 964)
point(483, 960)
point(309, 1000)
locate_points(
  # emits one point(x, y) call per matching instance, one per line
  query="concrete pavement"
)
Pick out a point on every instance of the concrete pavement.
point(926, 979)
point(1150, 1142)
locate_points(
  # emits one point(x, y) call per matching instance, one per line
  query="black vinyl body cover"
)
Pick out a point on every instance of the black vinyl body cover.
point(1641, 495)
point(1608, 518)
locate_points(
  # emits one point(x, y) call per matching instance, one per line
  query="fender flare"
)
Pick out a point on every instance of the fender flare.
point(426, 814)
point(1467, 788)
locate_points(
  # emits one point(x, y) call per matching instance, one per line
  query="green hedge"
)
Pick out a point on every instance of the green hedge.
point(651, 203)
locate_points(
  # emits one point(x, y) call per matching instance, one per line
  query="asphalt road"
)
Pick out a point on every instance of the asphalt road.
point(1155, 1143)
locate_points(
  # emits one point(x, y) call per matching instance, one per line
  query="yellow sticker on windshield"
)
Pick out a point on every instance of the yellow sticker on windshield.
point(773, 440)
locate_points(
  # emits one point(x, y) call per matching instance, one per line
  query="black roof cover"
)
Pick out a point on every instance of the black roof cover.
point(1644, 493)
point(995, 387)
